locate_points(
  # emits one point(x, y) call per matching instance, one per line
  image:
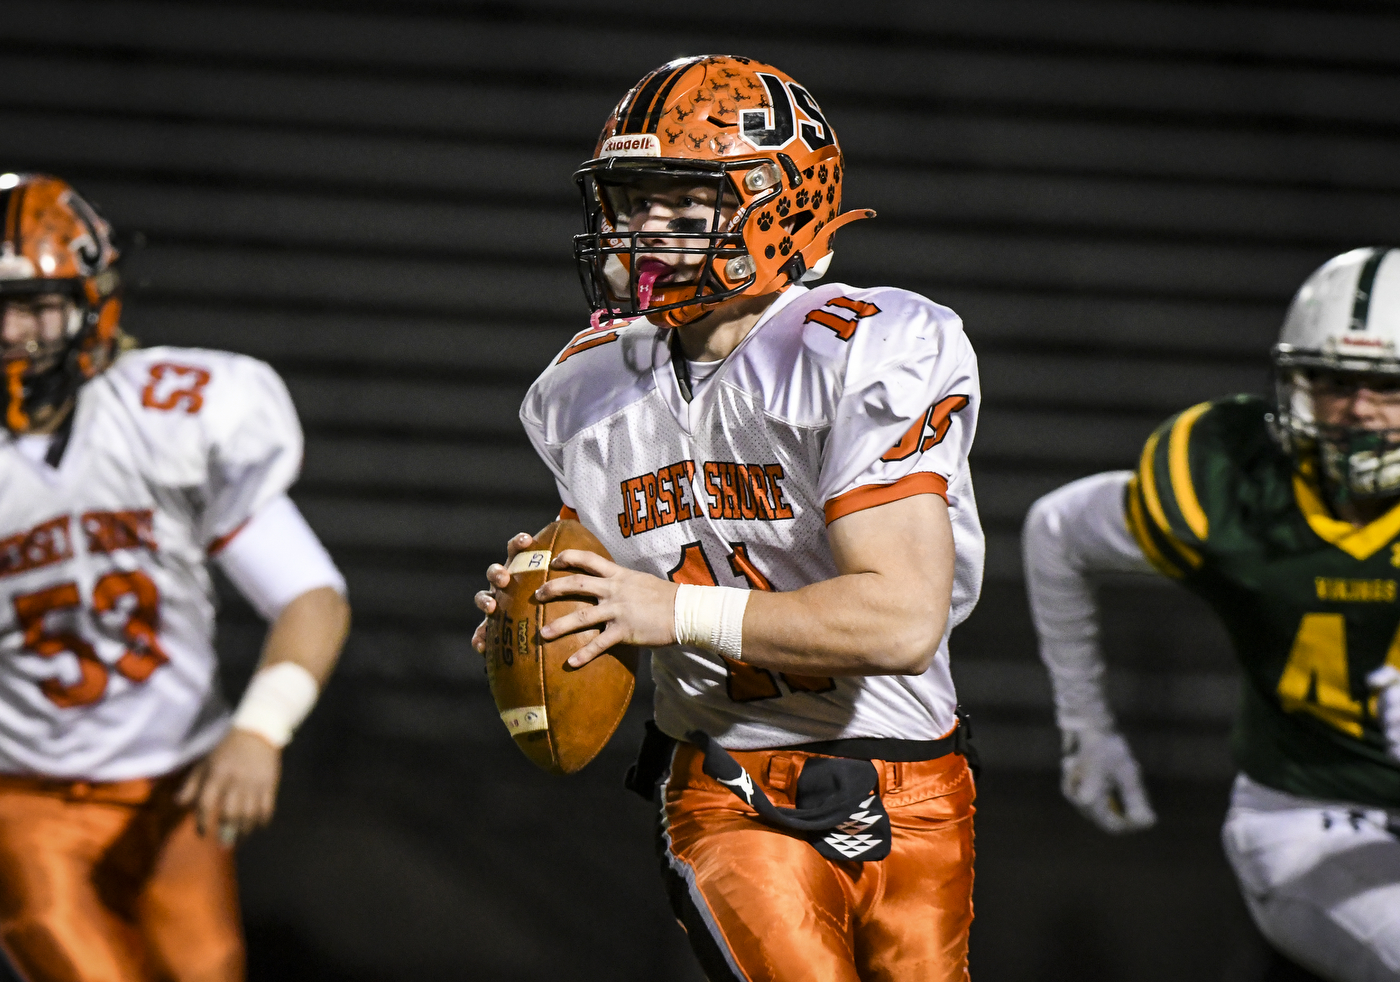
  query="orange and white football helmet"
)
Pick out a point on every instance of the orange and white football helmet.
point(55, 244)
point(753, 135)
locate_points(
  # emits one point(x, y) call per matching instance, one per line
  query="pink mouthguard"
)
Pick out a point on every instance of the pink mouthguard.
point(646, 280)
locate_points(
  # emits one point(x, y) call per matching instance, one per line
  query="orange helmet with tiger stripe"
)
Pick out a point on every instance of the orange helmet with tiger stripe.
point(755, 136)
point(55, 243)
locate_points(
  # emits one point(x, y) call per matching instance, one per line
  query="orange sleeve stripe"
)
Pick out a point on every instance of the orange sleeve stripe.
point(217, 546)
point(566, 512)
point(871, 495)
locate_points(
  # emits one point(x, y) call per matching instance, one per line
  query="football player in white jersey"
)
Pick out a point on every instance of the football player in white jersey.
point(780, 473)
point(124, 781)
point(1283, 516)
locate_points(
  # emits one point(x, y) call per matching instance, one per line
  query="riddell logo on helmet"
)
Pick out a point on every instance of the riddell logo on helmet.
point(634, 145)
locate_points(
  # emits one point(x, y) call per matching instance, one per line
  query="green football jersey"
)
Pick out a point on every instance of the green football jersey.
point(1310, 602)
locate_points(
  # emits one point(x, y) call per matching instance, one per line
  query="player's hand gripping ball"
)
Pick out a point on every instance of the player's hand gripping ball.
point(559, 716)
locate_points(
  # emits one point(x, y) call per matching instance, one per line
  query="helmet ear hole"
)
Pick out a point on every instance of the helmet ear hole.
point(795, 223)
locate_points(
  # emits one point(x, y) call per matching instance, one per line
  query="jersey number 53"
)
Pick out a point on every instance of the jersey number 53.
point(117, 592)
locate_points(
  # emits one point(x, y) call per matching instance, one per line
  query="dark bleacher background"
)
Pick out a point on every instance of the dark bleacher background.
point(1119, 198)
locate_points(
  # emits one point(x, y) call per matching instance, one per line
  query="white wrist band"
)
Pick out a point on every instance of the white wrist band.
point(712, 617)
point(277, 700)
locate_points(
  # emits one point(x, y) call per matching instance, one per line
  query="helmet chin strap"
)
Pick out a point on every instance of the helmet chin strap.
point(16, 419)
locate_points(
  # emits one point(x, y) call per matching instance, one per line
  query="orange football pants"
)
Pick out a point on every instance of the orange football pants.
point(111, 883)
point(760, 905)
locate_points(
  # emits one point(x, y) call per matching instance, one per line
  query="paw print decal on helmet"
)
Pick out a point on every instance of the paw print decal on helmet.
point(801, 199)
point(821, 173)
point(765, 221)
point(783, 206)
point(785, 246)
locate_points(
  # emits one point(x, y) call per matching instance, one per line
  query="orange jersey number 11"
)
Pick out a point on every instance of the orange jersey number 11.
point(745, 682)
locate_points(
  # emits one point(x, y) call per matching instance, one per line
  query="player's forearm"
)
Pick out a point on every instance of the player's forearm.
point(856, 624)
point(886, 612)
point(298, 656)
point(309, 632)
point(1066, 616)
point(1069, 535)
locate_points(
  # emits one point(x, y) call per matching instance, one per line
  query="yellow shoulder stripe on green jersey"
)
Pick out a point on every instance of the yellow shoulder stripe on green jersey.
point(1137, 524)
point(1180, 468)
point(1360, 543)
point(1148, 481)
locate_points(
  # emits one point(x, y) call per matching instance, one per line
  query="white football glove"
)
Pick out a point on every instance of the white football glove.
point(1100, 777)
point(1385, 682)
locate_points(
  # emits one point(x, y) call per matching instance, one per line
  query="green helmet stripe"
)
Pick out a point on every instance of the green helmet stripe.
point(1361, 306)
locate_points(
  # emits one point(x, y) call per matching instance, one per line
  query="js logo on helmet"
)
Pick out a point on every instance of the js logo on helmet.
point(85, 247)
point(775, 126)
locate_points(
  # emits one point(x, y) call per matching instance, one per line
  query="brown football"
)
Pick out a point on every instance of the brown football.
point(560, 717)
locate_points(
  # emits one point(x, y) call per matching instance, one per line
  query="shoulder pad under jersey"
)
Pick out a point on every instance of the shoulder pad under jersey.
point(597, 373)
point(1188, 478)
point(219, 421)
point(871, 328)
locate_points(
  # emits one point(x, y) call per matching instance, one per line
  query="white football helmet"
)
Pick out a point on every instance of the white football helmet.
point(1344, 320)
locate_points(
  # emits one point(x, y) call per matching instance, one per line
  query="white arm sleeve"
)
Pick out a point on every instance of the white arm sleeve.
point(275, 558)
point(1070, 533)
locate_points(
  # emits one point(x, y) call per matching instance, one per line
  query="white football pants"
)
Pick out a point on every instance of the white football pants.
point(1321, 879)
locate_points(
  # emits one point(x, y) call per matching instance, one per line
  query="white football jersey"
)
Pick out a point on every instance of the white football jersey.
point(839, 399)
point(107, 664)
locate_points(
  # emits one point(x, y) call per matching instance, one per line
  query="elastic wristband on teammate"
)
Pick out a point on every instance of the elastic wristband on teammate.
point(711, 617)
point(277, 700)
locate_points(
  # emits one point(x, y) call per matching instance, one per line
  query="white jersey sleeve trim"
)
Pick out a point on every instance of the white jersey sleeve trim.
point(1069, 534)
point(275, 558)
